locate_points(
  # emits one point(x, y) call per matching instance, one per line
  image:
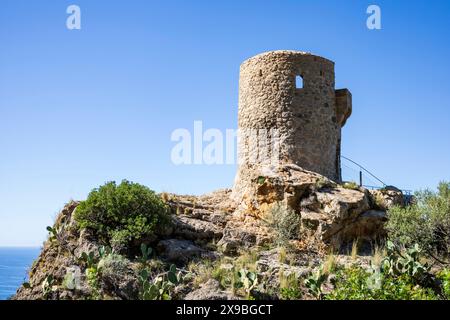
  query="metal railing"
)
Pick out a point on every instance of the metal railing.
point(383, 184)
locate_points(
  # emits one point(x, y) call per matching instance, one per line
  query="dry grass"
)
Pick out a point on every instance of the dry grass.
point(378, 255)
point(165, 197)
point(351, 185)
point(354, 252)
point(223, 270)
point(282, 255)
point(330, 264)
point(379, 200)
point(287, 281)
point(202, 271)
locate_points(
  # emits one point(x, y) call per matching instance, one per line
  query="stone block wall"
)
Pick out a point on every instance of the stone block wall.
point(295, 123)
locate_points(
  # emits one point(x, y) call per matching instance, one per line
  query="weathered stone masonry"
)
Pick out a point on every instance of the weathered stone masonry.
point(307, 120)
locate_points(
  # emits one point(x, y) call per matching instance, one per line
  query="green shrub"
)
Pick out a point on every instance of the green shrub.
point(69, 281)
point(290, 287)
point(444, 277)
point(161, 287)
point(146, 253)
point(93, 281)
point(113, 264)
point(408, 225)
point(290, 293)
point(247, 280)
point(123, 215)
point(48, 286)
point(315, 282)
point(355, 283)
point(90, 262)
point(285, 223)
point(400, 276)
point(425, 222)
point(88, 259)
point(54, 233)
point(351, 284)
point(397, 263)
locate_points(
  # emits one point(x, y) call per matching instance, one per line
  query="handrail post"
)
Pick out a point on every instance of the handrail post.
point(360, 178)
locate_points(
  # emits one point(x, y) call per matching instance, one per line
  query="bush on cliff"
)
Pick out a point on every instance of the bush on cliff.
point(285, 224)
point(400, 275)
point(123, 215)
point(425, 222)
point(355, 283)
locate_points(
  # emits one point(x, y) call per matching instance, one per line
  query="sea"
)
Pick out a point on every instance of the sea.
point(14, 266)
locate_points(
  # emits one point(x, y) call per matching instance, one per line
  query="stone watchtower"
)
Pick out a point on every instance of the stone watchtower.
point(291, 98)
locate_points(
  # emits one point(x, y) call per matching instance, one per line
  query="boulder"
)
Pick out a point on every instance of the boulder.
point(181, 251)
point(210, 290)
point(388, 197)
point(235, 238)
point(194, 229)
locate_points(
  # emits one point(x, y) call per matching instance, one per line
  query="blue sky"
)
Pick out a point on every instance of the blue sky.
point(81, 107)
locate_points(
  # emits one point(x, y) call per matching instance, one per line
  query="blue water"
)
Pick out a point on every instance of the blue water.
point(14, 265)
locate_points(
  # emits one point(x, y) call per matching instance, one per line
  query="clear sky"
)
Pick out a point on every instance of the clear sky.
point(81, 107)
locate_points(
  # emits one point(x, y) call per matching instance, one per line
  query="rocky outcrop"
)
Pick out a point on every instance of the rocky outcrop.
point(182, 251)
point(210, 290)
point(208, 227)
point(273, 265)
point(194, 228)
point(337, 214)
point(388, 197)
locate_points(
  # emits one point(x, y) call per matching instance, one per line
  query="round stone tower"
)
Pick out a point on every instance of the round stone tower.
point(289, 112)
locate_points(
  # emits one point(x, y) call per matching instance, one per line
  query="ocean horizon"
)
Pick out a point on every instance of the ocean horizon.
point(15, 263)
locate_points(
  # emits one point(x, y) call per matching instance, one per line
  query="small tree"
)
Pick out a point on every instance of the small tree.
point(425, 222)
point(127, 214)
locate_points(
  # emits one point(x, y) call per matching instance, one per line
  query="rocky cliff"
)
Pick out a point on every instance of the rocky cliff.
point(283, 227)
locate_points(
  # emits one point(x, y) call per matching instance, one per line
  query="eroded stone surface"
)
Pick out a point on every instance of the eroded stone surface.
point(387, 198)
point(195, 229)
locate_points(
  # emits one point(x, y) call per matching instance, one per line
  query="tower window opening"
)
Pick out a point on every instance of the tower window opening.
point(299, 82)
